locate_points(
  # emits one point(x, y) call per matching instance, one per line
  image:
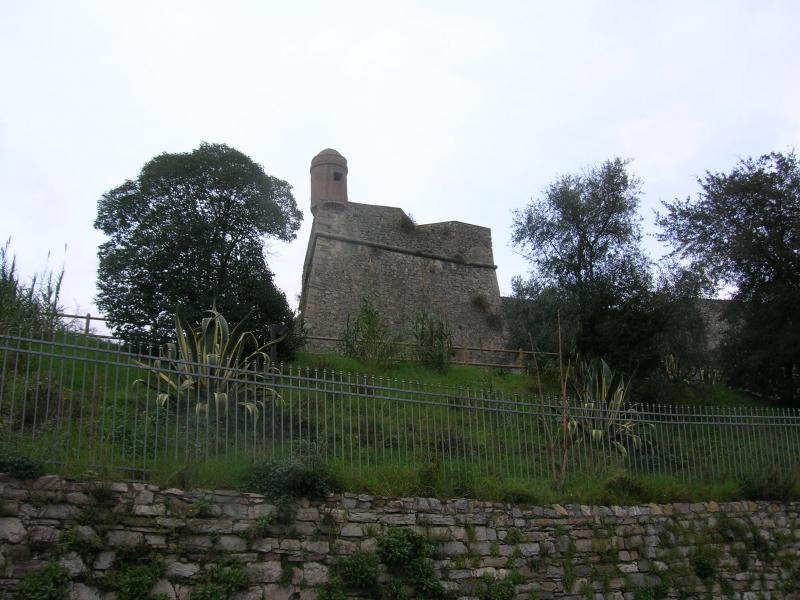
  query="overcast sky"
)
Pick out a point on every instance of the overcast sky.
point(450, 110)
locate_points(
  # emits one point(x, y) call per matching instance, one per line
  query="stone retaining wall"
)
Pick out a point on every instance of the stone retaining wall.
point(708, 550)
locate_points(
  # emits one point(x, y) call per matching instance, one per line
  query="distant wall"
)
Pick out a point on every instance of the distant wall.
point(726, 550)
point(446, 269)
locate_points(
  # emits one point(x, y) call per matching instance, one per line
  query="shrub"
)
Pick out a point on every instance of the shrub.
point(33, 308)
point(401, 545)
point(222, 580)
point(360, 570)
point(21, 467)
point(704, 562)
point(433, 341)
point(215, 366)
point(368, 338)
point(285, 481)
point(136, 570)
point(502, 589)
point(422, 577)
point(332, 590)
point(770, 484)
point(51, 583)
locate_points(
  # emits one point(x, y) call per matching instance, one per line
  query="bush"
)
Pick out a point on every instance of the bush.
point(368, 338)
point(433, 341)
point(332, 591)
point(360, 570)
point(771, 484)
point(52, 583)
point(21, 467)
point(502, 589)
point(31, 307)
point(136, 572)
point(285, 481)
point(422, 577)
point(222, 580)
point(401, 545)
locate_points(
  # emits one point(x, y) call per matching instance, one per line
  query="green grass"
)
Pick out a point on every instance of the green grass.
point(445, 434)
point(456, 376)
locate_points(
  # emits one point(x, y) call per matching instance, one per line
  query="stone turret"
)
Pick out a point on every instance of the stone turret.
point(328, 180)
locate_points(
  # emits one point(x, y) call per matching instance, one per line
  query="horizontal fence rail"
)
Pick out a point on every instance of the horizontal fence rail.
point(85, 403)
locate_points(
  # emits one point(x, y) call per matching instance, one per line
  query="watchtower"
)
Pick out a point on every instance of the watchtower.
point(328, 180)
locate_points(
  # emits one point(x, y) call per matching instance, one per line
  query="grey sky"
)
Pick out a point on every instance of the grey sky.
point(449, 110)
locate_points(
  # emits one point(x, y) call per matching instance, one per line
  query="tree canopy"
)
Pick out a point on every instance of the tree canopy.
point(189, 232)
point(743, 232)
point(582, 237)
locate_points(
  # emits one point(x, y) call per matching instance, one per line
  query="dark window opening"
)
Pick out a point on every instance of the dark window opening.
point(337, 176)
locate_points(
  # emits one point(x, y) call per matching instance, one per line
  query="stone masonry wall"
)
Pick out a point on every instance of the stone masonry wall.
point(445, 269)
point(733, 550)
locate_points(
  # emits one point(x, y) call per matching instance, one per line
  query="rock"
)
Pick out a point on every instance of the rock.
point(48, 482)
point(61, 512)
point(81, 591)
point(315, 573)
point(73, 564)
point(124, 538)
point(104, 561)
point(278, 592)
point(254, 593)
point(231, 543)
point(164, 587)
point(264, 572)
point(181, 570)
point(12, 530)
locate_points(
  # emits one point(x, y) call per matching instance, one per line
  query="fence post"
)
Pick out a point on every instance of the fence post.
point(88, 320)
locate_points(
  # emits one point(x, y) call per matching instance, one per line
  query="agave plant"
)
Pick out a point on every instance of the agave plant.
point(215, 365)
point(606, 417)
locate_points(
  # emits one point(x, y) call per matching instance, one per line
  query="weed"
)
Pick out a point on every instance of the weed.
point(502, 589)
point(20, 467)
point(222, 580)
point(51, 583)
point(494, 550)
point(135, 571)
point(360, 571)
point(514, 536)
point(285, 481)
point(470, 529)
point(400, 545)
point(287, 571)
point(368, 338)
point(202, 507)
point(704, 562)
point(332, 590)
point(433, 341)
point(773, 483)
point(260, 528)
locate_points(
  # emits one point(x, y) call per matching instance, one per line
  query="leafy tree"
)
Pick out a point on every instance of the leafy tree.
point(743, 231)
point(582, 237)
point(187, 233)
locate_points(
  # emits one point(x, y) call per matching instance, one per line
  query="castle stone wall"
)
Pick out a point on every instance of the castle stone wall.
point(377, 252)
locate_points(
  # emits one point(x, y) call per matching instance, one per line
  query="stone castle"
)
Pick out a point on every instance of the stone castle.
point(359, 251)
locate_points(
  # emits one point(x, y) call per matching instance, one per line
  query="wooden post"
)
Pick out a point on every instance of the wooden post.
point(88, 320)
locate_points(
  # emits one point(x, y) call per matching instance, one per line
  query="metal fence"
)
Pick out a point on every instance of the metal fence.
point(81, 402)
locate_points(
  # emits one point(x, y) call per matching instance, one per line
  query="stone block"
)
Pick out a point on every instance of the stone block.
point(181, 570)
point(124, 538)
point(314, 573)
point(104, 560)
point(72, 564)
point(12, 530)
point(81, 591)
point(165, 588)
point(264, 572)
